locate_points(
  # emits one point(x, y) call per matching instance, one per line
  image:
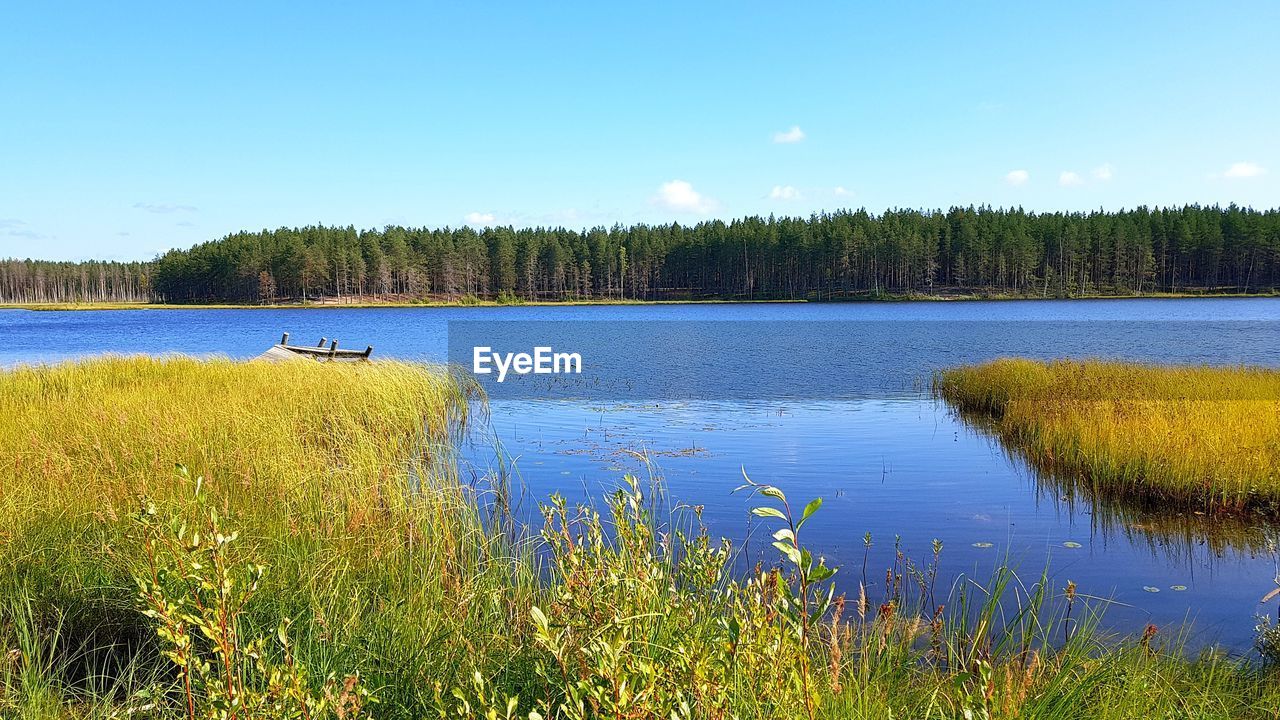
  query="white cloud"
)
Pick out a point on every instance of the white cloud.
point(1017, 177)
point(568, 215)
point(840, 191)
point(28, 234)
point(680, 196)
point(164, 208)
point(794, 135)
point(784, 192)
point(1103, 172)
point(1244, 170)
point(479, 218)
point(1068, 178)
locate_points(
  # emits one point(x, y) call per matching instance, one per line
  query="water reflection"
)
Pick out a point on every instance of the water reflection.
point(1179, 536)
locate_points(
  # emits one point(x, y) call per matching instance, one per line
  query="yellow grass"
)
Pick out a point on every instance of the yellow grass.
point(371, 302)
point(339, 477)
point(1191, 436)
point(106, 430)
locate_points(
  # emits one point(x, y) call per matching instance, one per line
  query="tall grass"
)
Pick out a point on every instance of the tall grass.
point(312, 462)
point(328, 517)
point(638, 622)
point(1202, 438)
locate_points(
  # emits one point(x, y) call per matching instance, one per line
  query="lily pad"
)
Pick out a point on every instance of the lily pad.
point(1150, 588)
point(1177, 588)
point(984, 545)
point(1072, 544)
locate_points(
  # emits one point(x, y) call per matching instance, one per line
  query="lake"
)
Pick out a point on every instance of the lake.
point(823, 400)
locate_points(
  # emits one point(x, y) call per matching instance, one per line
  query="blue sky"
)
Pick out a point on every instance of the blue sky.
point(127, 129)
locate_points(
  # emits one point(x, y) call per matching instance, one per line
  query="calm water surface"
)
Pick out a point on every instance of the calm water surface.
point(887, 459)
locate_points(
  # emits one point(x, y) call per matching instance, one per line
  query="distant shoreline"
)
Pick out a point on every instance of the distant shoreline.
point(444, 303)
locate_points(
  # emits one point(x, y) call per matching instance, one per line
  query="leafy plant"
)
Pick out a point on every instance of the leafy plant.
point(804, 599)
point(645, 621)
point(197, 593)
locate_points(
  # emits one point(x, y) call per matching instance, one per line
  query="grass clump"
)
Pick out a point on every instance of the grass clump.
point(1201, 438)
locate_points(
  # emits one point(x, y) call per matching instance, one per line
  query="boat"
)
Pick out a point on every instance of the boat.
point(282, 351)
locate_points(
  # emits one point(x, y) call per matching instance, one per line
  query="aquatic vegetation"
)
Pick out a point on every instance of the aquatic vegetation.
point(315, 557)
point(1196, 438)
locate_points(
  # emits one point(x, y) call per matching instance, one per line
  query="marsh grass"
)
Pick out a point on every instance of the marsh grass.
point(644, 620)
point(1195, 438)
point(386, 572)
point(310, 461)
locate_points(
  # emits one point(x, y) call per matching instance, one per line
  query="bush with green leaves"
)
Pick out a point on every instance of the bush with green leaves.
point(197, 591)
point(643, 623)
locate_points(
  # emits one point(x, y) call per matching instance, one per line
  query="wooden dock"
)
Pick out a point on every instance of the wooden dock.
point(284, 351)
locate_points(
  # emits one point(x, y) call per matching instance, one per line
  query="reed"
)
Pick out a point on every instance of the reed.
point(1198, 438)
point(317, 537)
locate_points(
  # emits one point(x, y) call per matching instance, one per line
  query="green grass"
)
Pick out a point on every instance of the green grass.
point(1200, 438)
point(340, 484)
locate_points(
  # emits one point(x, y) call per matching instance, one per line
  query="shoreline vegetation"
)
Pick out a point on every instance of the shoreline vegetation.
point(824, 256)
point(315, 555)
point(1196, 438)
point(463, 302)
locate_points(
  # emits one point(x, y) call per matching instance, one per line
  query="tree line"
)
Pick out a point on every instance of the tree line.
point(825, 256)
point(41, 281)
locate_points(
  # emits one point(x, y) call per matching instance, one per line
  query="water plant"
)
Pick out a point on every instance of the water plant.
point(1195, 438)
